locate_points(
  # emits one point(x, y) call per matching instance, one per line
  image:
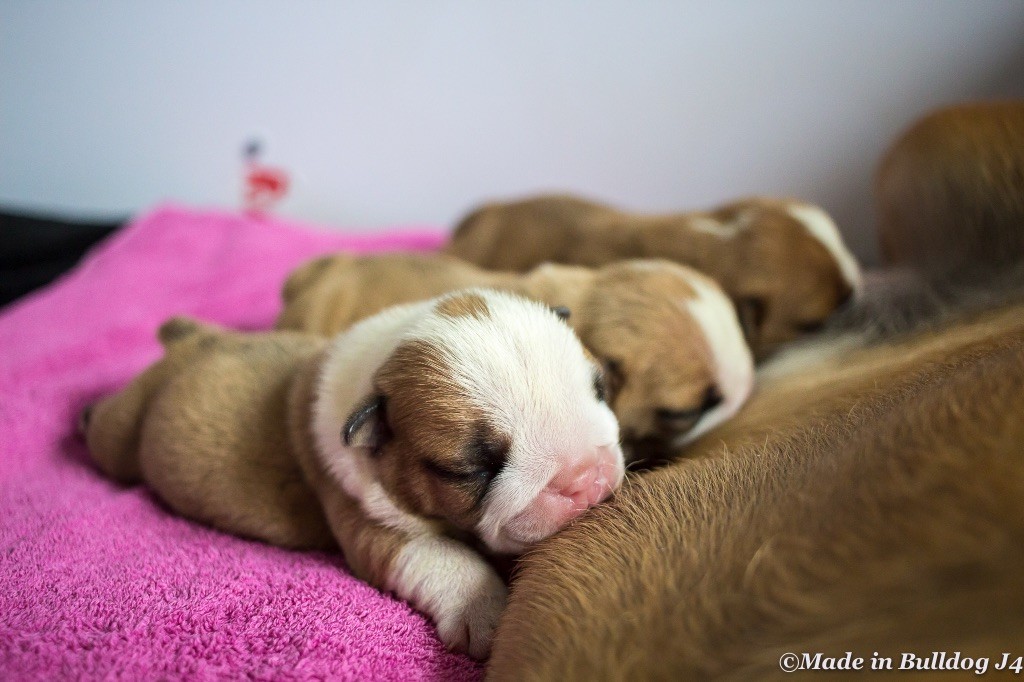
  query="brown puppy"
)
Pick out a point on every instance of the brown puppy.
point(950, 190)
point(676, 361)
point(476, 415)
point(783, 263)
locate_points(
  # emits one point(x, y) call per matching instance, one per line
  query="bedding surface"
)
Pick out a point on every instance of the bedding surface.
point(99, 580)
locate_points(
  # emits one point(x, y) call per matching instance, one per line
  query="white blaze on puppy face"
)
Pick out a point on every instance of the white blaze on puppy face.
point(734, 364)
point(489, 419)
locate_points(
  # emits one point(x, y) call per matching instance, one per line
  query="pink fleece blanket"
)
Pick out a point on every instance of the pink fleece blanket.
point(100, 581)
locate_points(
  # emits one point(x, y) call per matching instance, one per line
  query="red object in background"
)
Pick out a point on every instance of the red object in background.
point(264, 187)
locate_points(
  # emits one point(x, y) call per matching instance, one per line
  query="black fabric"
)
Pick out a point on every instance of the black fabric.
point(35, 249)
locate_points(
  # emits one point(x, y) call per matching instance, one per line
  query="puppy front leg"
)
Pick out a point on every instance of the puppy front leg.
point(441, 577)
point(451, 582)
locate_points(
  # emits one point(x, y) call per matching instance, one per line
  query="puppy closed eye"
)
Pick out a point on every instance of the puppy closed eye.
point(473, 482)
point(600, 387)
point(482, 460)
point(458, 476)
point(684, 420)
point(677, 420)
point(612, 379)
point(752, 312)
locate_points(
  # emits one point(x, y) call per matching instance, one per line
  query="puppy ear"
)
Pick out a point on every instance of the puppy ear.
point(367, 426)
point(751, 312)
point(562, 311)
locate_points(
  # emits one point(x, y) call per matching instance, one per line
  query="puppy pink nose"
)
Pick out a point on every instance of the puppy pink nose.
point(576, 487)
point(586, 482)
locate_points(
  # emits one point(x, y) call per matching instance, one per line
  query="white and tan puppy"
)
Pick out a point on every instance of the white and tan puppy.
point(471, 420)
point(782, 262)
point(668, 337)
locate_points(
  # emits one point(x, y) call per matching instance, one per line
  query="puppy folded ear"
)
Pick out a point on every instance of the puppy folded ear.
point(367, 427)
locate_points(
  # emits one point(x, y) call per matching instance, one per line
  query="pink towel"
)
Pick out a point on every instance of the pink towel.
point(100, 581)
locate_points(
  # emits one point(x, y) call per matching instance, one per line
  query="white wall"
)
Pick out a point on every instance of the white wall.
point(409, 112)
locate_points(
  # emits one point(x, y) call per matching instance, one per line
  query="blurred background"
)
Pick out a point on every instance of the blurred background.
point(396, 113)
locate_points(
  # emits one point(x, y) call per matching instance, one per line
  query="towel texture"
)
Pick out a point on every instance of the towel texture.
point(100, 581)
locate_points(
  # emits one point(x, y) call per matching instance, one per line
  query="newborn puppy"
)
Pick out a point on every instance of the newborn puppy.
point(668, 337)
point(474, 419)
point(783, 263)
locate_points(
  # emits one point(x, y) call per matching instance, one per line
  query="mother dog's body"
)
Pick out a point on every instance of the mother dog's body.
point(869, 499)
point(874, 504)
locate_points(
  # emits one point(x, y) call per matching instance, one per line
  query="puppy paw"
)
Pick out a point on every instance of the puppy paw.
point(467, 624)
point(453, 585)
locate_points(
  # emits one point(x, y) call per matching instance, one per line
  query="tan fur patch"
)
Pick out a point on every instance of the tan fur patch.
point(950, 190)
point(347, 289)
point(433, 425)
point(653, 342)
point(468, 305)
point(369, 547)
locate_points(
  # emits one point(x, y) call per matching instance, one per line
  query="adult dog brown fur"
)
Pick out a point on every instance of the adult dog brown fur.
point(872, 506)
point(950, 190)
point(868, 499)
point(782, 262)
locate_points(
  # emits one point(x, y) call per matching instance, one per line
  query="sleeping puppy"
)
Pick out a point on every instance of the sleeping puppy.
point(471, 420)
point(783, 263)
point(667, 336)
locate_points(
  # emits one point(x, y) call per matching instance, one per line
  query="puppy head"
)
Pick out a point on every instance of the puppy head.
point(792, 269)
point(488, 415)
point(675, 358)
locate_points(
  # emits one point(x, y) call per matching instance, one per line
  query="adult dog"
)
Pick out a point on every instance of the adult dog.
point(869, 498)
